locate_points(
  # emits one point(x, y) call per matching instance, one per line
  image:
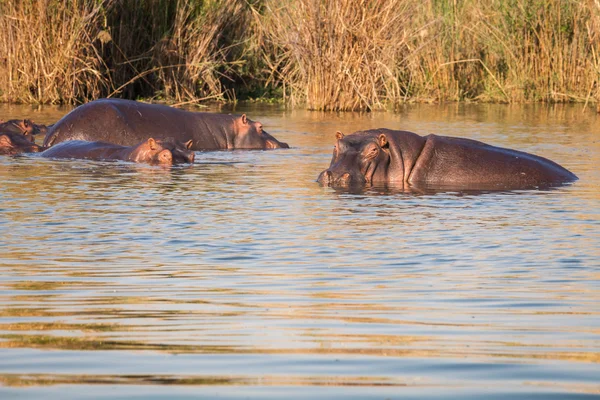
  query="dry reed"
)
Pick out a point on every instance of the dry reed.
point(47, 53)
point(327, 54)
point(171, 49)
point(337, 54)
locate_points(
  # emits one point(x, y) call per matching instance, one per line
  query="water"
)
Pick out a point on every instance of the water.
point(240, 277)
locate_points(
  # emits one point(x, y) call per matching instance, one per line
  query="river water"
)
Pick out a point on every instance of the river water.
point(240, 277)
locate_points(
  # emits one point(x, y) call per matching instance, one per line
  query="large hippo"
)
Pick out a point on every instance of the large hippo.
point(160, 151)
point(383, 156)
point(127, 122)
point(16, 143)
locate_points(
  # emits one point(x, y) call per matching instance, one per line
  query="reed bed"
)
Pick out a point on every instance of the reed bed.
point(323, 54)
point(47, 52)
point(172, 50)
point(338, 54)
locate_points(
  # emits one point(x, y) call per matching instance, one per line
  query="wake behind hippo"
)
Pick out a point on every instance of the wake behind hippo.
point(127, 122)
point(384, 156)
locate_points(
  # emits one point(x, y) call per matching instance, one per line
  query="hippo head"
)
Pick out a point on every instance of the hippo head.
point(180, 151)
point(162, 151)
point(24, 126)
point(357, 161)
point(250, 135)
point(16, 143)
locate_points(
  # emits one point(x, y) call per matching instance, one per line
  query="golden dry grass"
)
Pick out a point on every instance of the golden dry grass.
point(324, 54)
point(47, 52)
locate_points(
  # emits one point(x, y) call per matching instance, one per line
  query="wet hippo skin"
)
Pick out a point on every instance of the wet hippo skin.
point(12, 143)
point(127, 122)
point(405, 158)
point(160, 151)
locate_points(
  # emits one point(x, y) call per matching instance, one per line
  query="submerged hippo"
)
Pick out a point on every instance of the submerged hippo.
point(383, 156)
point(24, 126)
point(160, 151)
point(127, 122)
point(16, 143)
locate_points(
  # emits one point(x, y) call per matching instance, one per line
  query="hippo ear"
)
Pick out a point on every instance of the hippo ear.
point(339, 135)
point(244, 119)
point(189, 144)
point(152, 143)
point(382, 140)
point(27, 123)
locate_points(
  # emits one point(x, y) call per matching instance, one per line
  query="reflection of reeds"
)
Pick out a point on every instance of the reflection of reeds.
point(330, 55)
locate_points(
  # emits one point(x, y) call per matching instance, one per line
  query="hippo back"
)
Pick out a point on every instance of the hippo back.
point(127, 122)
point(122, 122)
point(464, 162)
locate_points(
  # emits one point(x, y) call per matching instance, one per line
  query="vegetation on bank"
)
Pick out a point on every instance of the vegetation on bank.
point(324, 54)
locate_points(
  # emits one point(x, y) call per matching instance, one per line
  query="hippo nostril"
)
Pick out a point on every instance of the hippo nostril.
point(192, 157)
point(344, 179)
point(325, 178)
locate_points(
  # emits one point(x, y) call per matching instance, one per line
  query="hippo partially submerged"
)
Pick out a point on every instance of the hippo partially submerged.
point(160, 151)
point(384, 156)
point(26, 127)
point(12, 143)
point(127, 122)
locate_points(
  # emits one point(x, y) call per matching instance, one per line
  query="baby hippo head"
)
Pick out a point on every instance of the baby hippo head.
point(16, 143)
point(163, 151)
point(251, 135)
point(357, 160)
point(181, 152)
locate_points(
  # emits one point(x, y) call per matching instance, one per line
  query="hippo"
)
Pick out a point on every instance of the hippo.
point(153, 151)
point(24, 126)
point(127, 122)
point(384, 156)
point(12, 143)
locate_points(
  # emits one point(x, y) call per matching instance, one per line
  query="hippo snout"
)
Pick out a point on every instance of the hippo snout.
point(344, 180)
point(191, 157)
point(325, 178)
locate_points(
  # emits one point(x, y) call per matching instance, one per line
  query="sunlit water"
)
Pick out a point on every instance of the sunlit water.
point(241, 277)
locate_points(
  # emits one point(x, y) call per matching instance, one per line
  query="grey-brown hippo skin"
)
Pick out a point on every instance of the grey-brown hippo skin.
point(384, 156)
point(127, 122)
point(26, 127)
point(16, 143)
point(160, 151)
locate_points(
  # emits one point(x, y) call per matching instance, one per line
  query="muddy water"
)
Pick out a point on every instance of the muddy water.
point(240, 277)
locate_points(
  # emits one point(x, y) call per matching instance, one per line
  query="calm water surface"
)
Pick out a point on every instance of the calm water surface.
point(241, 277)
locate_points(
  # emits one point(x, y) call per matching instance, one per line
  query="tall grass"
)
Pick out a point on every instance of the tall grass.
point(171, 49)
point(47, 52)
point(510, 50)
point(324, 54)
point(362, 54)
point(80, 50)
point(338, 54)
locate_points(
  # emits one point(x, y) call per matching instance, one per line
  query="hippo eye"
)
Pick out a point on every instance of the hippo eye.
point(371, 152)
